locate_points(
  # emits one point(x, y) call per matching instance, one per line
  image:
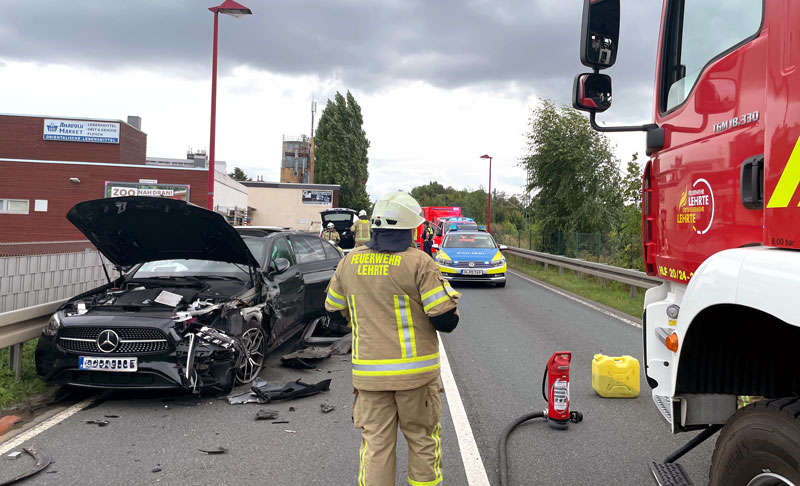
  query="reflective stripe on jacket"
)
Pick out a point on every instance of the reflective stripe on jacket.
point(361, 229)
point(388, 298)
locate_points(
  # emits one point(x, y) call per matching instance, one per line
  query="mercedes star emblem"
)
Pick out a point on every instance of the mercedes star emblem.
point(107, 341)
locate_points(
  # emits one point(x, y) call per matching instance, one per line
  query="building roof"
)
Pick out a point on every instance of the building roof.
point(289, 185)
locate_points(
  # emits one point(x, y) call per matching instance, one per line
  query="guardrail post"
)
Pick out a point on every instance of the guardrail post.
point(633, 291)
point(519, 238)
point(598, 247)
point(15, 359)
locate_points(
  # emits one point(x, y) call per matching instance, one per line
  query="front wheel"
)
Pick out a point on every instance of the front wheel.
point(254, 350)
point(759, 446)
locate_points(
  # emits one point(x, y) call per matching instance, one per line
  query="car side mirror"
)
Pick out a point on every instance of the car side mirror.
point(599, 33)
point(281, 265)
point(502, 247)
point(591, 92)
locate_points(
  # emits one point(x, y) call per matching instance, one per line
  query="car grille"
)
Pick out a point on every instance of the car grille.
point(132, 340)
point(476, 265)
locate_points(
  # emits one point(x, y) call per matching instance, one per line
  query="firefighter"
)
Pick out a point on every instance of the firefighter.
point(395, 299)
point(427, 239)
point(331, 235)
point(361, 228)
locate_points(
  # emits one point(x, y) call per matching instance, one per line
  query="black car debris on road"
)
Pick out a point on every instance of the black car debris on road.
point(198, 304)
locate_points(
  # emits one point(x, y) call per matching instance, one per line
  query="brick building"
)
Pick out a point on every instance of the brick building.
point(48, 164)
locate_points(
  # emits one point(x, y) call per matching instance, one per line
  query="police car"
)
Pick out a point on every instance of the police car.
point(459, 224)
point(472, 256)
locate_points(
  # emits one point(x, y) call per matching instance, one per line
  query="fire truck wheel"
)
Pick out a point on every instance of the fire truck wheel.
point(759, 446)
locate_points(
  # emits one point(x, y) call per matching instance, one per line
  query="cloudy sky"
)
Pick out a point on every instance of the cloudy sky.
point(439, 82)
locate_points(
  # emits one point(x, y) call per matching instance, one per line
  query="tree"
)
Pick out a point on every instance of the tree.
point(238, 175)
point(341, 147)
point(572, 171)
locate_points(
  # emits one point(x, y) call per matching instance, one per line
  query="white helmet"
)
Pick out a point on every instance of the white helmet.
point(362, 213)
point(397, 210)
point(330, 225)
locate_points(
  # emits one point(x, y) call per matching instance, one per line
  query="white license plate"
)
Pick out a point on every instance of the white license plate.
point(472, 272)
point(107, 364)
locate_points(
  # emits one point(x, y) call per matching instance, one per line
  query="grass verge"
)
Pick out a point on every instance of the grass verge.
point(614, 294)
point(13, 391)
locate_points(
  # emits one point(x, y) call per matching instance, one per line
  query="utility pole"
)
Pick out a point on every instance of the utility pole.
point(311, 156)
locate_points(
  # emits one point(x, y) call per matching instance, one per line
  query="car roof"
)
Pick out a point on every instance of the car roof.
point(470, 232)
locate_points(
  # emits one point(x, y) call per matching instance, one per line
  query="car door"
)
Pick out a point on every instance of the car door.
point(317, 268)
point(290, 287)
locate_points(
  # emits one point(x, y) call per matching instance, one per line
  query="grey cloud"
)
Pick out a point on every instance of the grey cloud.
point(532, 45)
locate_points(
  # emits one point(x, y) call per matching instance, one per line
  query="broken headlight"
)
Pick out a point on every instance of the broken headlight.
point(53, 325)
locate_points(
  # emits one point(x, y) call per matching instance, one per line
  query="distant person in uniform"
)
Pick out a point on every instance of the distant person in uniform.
point(361, 229)
point(427, 239)
point(331, 235)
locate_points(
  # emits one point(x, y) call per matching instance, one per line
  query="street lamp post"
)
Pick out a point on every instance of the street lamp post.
point(228, 7)
point(489, 210)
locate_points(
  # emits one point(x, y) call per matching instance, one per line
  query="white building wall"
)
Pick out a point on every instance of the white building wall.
point(229, 194)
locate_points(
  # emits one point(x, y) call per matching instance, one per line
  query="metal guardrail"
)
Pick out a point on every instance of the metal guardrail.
point(634, 278)
point(22, 325)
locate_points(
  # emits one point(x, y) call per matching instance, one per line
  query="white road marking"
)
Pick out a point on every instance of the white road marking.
point(54, 420)
point(470, 455)
point(587, 304)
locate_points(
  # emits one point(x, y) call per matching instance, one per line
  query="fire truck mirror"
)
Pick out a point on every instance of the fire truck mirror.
point(591, 92)
point(599, 33)
point(715, 96)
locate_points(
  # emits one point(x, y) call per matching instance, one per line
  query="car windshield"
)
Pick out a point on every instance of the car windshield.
point(468, 241)
point(462, 226)
point(189, 268)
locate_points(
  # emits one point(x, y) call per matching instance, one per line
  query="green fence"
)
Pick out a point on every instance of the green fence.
point(618, 249)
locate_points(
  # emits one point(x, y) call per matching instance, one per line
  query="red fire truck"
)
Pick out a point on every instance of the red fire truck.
point(436, 215)
point(721, 226)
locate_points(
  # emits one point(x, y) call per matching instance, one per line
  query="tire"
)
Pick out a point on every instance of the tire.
point(501, 284)
point(251, 360)
point(759, 446)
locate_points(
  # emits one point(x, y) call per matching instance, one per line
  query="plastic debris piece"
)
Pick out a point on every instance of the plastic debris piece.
point(266, 415)
point(99, 423)
point(290, 431)
point(280, 422)
point(156, 469)
point(291, 409)
point(111, 416)
point(14, 455)
point(290, 390)
point(325, 408)
point(42, 461)
point(214, 452)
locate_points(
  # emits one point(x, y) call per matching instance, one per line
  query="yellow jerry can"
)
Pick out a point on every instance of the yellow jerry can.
point(615, 377)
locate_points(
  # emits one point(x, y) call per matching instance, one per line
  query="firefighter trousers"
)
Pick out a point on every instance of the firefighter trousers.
point(418, 413)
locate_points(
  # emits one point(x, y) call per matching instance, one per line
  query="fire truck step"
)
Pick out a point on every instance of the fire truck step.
point(670, 474)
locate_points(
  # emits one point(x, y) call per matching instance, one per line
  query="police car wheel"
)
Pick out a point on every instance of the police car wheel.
point(759, 446)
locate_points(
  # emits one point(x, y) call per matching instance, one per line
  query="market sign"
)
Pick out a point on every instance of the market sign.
point(81, 131)
point(317, 197)
point(171, 191)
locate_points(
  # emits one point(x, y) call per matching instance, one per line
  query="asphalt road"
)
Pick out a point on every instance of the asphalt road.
point(497, 355)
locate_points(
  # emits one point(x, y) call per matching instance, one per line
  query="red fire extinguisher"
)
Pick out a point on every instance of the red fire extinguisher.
point(558, 389)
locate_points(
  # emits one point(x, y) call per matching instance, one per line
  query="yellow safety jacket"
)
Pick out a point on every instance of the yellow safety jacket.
point(387, 298)
point(361, 230)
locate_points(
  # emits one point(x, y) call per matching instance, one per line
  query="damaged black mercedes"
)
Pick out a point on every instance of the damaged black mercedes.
point(197, 304)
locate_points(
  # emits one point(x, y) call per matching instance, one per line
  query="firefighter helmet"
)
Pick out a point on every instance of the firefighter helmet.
point(330, 225)
point(397, 210)
point(362, 214)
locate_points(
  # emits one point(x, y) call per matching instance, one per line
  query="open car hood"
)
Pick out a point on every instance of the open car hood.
point(138, 229)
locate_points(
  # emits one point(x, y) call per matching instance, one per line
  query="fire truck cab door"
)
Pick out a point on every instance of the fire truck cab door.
point(782, 138)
